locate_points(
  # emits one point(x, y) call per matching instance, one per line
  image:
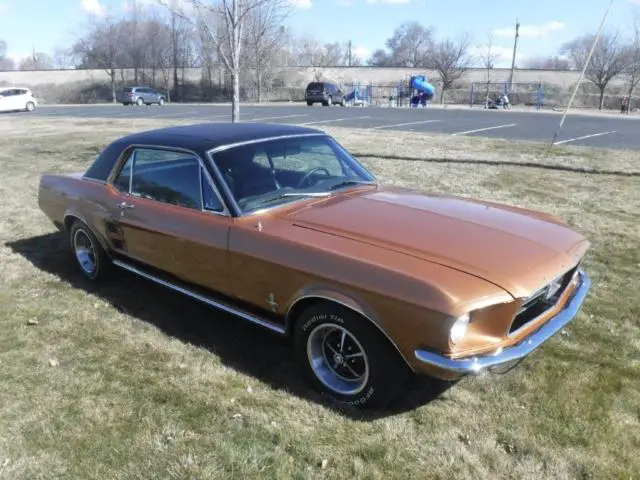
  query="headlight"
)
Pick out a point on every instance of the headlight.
point(459, 328)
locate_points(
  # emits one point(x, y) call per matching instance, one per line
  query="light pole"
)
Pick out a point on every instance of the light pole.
point(513, 60)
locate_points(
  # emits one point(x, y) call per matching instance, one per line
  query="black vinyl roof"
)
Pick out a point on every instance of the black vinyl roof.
point(206, 136)
point(199, 137)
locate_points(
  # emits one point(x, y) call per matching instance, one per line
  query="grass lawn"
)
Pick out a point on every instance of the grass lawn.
point(130, 380)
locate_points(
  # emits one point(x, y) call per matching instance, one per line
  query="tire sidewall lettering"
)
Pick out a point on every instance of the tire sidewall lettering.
point(360, 401)
point(321, 317)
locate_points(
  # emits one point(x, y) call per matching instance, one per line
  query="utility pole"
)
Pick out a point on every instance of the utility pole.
point(349, 53)
point(34, 56)
point(513, 60)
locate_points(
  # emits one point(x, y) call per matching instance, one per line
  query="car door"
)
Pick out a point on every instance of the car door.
point(20, 99)
point(7, 102)
point(167, 213)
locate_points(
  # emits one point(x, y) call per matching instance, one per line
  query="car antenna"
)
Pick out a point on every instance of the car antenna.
point(584, 69)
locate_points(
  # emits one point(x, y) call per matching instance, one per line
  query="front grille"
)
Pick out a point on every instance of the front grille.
point(541, 301)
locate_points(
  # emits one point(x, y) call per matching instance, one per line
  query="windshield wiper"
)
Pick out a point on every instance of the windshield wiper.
point(296, 194)
point(348, 183)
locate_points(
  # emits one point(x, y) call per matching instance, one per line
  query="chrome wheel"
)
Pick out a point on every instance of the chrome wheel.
point(85, 252)
point(338, 359)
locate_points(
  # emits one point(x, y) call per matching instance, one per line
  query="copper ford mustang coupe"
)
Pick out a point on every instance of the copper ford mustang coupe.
point(281, 226)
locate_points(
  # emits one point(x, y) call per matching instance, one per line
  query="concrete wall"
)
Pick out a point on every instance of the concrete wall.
point(62, 86)
point(301, 75)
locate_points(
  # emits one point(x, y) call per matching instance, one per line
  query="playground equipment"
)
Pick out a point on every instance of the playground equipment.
point(425, 90)
point(416, 89)
point(520, 93)
point(360, 96)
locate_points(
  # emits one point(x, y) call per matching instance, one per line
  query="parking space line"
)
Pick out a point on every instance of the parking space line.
point(275, 118)
point(172, 114)
point(403, 124)
point(333, 120)
point(583, 137)
point(484, 129)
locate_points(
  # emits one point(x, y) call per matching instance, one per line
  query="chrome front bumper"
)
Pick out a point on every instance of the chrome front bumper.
point(516, 352)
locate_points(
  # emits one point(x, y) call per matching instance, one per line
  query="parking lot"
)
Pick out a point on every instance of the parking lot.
point(578, 129)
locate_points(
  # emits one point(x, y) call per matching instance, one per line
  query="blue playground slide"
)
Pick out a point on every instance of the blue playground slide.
point(420, 83)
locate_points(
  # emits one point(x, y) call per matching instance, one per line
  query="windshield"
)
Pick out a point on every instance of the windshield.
point(269, 173)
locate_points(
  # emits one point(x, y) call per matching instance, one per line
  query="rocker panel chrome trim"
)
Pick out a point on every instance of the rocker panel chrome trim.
point(242, 314)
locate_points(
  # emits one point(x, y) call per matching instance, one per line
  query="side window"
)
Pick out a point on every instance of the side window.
point(167, 176)
point(121, 183)
point(210, 199)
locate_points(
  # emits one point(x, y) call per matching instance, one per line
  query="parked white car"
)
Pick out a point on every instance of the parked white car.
point(17, 99)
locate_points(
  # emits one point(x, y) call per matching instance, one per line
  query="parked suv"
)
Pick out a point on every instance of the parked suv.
point(141, 96)
point(326, 93)
point(17, 99)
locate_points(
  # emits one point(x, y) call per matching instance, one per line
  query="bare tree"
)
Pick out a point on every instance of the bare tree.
point(62, 58)
point(5, 62)
point(632, 61)
point(451, 59)
point(547, 63)
point(607, 62)
point(411, 45)
point(159, 53)
point(101, 48)
point(488, 59)
point(36, 61)
point(224, 21)
point(380, 58)
point(134, 42)
point(265, 33)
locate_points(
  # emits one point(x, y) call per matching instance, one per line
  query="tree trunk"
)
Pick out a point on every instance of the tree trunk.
point(235, 99)
point(112, 74)
point(631, 88)
point(442, 95)
point(259, 81)
point(601, 104)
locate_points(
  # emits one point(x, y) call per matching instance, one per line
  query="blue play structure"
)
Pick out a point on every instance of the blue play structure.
point(359, 95)
point(425, 90)
point(415, 90)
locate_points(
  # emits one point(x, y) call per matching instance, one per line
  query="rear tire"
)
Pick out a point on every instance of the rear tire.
point(30, 107)
point(346, 358)
point(309, 104)
point(91, 258)
point(161, 102)
point(139, 102)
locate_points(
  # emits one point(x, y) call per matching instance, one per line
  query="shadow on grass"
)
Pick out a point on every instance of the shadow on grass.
point(249, 349)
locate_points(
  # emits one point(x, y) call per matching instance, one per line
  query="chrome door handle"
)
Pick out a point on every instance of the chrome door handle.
point(123, 205)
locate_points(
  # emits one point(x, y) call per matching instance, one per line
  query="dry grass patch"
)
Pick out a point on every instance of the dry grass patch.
point(128, 380)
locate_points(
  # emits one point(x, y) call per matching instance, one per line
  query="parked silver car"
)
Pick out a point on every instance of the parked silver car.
point(141, 96)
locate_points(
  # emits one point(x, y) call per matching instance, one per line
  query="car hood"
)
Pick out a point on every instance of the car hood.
point(516, 249)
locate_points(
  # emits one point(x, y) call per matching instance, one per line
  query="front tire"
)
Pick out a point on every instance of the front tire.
point(90, 257)
point(346, 358)
point(161, 102)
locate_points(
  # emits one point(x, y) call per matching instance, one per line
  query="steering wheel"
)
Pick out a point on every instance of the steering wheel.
point(311, 172)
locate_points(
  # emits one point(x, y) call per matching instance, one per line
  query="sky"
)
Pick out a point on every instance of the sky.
point(544, 24)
